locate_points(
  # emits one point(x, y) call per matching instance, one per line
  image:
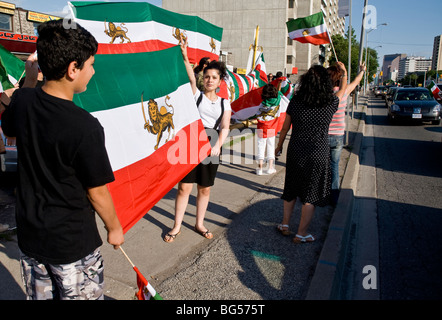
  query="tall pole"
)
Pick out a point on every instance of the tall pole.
point(348, 72)
point(361, 45)
point(255, 47)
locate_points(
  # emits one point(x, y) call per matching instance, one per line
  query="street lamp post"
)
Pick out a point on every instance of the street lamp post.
point(366, 53)
point(366, 73)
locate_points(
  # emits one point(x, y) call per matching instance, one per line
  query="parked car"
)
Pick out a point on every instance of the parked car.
point(389, 95)
point(416, 104)
point(8, 161)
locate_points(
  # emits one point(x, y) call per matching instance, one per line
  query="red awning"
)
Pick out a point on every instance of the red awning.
point(18, 43)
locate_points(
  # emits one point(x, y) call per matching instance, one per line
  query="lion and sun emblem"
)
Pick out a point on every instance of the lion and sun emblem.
point(160, 119)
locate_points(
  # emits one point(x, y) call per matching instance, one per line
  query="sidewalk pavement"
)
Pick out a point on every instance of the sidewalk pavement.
point(247, 258)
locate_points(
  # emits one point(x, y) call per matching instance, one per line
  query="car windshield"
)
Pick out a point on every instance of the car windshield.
point(413, 95)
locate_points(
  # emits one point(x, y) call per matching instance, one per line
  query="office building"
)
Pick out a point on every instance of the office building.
point(239, 19)
point(437, 54)
point(390, 66)
point(413, 65)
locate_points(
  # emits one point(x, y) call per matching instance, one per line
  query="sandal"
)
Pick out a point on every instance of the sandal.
point(281, 228)
point(206, 234)
point(301, 239)
point(171, 237)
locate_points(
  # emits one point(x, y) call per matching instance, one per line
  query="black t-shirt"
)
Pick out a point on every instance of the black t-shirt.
point(61, 152)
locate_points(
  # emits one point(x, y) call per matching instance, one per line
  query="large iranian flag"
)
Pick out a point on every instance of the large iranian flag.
point(154, 134)
point(311, 29)
point(130, 27)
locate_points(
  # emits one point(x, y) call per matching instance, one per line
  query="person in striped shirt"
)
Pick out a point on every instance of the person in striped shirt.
point(337, 126)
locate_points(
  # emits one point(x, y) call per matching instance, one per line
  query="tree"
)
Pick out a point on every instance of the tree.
point(341, 47)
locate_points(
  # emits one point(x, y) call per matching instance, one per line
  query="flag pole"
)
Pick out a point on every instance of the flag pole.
point(152, 291)
point(130, 261)
point(333, 47)
point(23, 73)
point(255, 47)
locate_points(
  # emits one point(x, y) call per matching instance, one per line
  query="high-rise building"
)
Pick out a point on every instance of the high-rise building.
point(390, 66)
point(413, 64)
point(239, 19)
point(437, 54)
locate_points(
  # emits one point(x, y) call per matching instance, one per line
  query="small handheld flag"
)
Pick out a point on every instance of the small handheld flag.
point(145, 289)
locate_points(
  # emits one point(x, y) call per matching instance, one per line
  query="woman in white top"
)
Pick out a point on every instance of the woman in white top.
point(215, 115)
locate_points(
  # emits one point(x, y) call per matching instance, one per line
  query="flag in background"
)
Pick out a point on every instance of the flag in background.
point(311, 29)
point(434, 88)
point(130, 27)
point(287, 88)
point(11, 69)
point(236, 85)
point(260, 73)
point(248, 107)
point(145, 104)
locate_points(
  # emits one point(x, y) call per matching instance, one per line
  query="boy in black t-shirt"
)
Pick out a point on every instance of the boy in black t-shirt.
point(63, 169)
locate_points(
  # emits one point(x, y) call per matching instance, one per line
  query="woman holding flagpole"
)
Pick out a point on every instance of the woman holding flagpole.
point(215, 115)
point(308, 173)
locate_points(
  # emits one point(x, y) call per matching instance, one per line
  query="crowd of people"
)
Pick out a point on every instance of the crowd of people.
point(64, 166)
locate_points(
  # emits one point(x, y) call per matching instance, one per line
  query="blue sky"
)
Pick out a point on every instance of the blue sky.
point(411, 25)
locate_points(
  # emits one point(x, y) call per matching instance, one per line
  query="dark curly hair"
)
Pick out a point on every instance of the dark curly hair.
point(269, 92)
point(59, 45)
point(201, 64)
point(315, 88)
point(217, 65)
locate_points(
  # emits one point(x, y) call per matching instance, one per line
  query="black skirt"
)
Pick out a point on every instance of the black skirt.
point(204, 173)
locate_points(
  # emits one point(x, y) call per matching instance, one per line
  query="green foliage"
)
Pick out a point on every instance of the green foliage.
point(341, 47)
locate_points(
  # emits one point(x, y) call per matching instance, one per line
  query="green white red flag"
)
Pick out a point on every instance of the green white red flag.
point(435, 90)
point(249, 107)
point(11, 69)
point(311, 29)
point(260, 72)
point(145, 104)
point(236, 85)
point(145, 289)
point(130, 27)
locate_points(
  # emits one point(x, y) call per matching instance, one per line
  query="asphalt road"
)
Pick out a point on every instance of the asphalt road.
point(409, 206)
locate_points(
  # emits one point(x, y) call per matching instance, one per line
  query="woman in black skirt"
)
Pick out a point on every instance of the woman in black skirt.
point(308, 173)
point(215, 115)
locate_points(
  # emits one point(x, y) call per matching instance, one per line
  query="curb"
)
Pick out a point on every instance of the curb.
point(328, 275)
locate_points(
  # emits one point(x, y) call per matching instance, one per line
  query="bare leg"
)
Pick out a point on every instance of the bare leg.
point(271, 166)
point(288, 210)
point(202, 201)
point(307, 213)
point(181, 201)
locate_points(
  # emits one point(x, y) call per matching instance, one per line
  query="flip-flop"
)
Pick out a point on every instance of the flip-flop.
point(301, 239)
point(281, 227)
point(206, 234)
point(171, 237)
